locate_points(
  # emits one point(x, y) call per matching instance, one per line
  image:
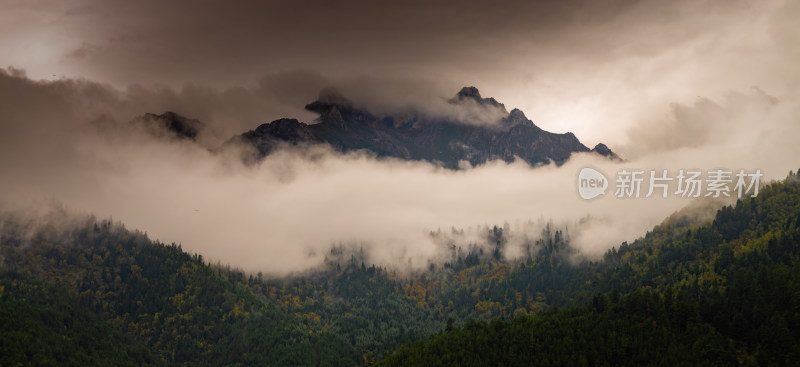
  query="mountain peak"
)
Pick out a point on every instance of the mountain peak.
point(281, 125)
point(170, 124)
point(330, 101)
point(603, 150)
point(469, 92)
point(516, 115)
point(472, 93)
point(412, 135)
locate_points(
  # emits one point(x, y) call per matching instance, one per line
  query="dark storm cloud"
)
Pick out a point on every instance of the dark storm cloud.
point(591, 67)
point(221, 42)
point(30, 103)
point(216, 41)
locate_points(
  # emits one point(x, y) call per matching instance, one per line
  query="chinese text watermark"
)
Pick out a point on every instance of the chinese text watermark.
point(687, 183)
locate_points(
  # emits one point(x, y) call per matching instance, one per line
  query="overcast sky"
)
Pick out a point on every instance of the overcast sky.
point(591, 67)
point(667, 84)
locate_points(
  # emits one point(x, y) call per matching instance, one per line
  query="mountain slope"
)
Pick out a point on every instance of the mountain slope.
point(483, 131)
point(703, 291)
point(723, 293)
point(41, 325)
point(640, 329)
point(171, 302)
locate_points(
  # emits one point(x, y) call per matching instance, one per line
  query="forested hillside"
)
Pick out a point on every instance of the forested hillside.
point(41, 325)
point(726, 292)
point(172, 303)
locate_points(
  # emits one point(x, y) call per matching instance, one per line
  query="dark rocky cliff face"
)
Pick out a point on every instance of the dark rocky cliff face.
point(415, 136)
point(169, 125)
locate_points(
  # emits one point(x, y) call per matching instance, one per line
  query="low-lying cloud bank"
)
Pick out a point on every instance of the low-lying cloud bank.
point(62, 141)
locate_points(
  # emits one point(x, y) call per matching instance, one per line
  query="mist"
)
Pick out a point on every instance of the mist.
point(65, 141)
point(666, 85)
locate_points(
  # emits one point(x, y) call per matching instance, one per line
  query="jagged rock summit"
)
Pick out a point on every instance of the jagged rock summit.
point(169, 125)
point(417, 136)
point(472, 94)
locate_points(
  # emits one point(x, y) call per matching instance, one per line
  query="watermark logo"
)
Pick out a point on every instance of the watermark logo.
point(636, 183)
point(591, 183)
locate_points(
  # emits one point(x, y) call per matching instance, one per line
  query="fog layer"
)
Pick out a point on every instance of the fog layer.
point(67, 141)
